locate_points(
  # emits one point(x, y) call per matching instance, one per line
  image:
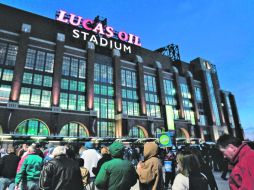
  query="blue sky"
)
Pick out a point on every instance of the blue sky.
point(219, 31)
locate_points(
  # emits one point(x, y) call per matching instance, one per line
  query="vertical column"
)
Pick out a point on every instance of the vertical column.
point(141, 86)
point(90, 76)
point(161, 92)
point(190, 83)
point(117, 80)
point(118, 92)
point(56, 86)
point(20, 62)
point(216, 85)
point(238, 126)
point(225, 106)
point(178, 92)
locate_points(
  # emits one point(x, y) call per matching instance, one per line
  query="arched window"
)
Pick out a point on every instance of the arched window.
point(137, 132)
point(32, 127)
point(74, 130)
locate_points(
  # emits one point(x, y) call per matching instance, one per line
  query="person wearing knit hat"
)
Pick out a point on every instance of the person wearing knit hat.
point(116, 173)
point(150, 170)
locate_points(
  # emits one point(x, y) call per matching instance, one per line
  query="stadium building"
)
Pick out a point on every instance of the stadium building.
point(78, 77)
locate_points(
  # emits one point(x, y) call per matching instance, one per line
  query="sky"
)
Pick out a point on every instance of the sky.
point(219, 31)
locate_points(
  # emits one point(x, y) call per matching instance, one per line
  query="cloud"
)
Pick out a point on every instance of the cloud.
point(249, 133)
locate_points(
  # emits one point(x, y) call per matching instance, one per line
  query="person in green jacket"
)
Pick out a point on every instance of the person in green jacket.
point(117, 173)
point(28, 176)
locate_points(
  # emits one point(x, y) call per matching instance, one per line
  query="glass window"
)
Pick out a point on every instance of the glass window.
point(136, 132)
point(30, 58)
point(37, 79)
point(3, 47)
point(45, 99)
point(82, 69)
point(72, 102)
point(65, 84)
point(63, 100)
point(24, 98)
point(49, 65)
point(66, 66)
point(81, 86)
point(7, 75)
point(74, 67)
point(11, 55)
point(73, 85)
point(40, 61)
point(5, 91)
point(36, 96)
point(81, 103)
point(27, 78)
point(32, 127)
point(47, 81)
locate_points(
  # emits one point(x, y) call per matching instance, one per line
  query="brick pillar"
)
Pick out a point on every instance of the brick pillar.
point(90, 76)
point(20, 62)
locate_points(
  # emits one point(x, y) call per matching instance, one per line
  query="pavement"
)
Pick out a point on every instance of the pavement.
point(222, 184)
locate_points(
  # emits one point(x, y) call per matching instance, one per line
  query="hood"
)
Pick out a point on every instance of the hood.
point(116, 149)
point(241, 153)
point(89, 145)
point(150, 150)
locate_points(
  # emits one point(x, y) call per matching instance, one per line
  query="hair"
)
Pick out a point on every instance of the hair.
point(104, 150)
point(10, 149)
point(31, 148)
point(226, 139)
point(189, 163)
point(81, 162)
point(59, 150)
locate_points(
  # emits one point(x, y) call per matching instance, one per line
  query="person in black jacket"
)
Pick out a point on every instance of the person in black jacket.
point(8, 165)
point(206, 170)
point(61, 173)
point(105, 157)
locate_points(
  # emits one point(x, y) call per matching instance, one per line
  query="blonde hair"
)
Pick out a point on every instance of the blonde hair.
point(104, 150)
point(59, 150)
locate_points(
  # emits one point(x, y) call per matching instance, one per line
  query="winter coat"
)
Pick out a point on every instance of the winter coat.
point(91, 158)
point(117, 173)
point(105, 158)
point(9, 164)
point(150, 170)
point(30, 169)
point(61, 173)
point(181, 182)
point(242, 175)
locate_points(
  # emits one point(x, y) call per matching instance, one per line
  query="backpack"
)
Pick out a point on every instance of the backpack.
point(198, 182)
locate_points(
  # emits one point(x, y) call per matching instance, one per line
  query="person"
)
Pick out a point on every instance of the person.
point(116, 173)
point(91, 158)
point(61, 173)
point(84, 173)
point(9, 164)
point(189, 176)
point(241, 157)
point(29, 173)
point(150, 170)
point(105, 157)
point(205, 169)
point(169, 165)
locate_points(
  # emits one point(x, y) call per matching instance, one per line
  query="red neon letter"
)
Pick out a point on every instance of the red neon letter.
point(109, 32)
point(123, 36)
point(72, 17)
point(136, 38)
point(85, 22)
point(61, 17)
point(98, 29)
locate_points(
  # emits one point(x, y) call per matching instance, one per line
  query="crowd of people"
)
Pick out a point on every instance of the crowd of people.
point(117, 167)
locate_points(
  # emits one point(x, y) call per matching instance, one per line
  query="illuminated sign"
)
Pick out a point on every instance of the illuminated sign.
point(100, 30)
point(165, 139)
